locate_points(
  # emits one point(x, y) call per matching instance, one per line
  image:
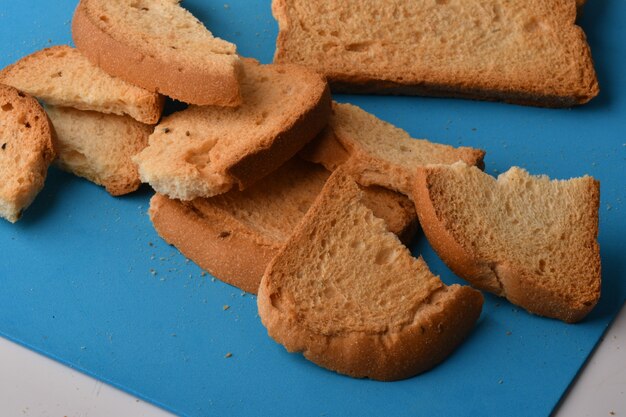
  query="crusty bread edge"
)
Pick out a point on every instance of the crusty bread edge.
point(230, 253)
point(216, 87)
point(48, 153)
point(263, 161)
point(438, 328)
point(505, 280)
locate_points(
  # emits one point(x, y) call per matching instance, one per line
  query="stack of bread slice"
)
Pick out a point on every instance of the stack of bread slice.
point(273, 188)
point(100, 121)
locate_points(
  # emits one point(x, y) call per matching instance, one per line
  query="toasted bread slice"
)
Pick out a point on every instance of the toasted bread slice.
point(235, 235)
point(205, 151)
point(62, 76)
point(26, 151)
point(158, 45)
point(99, 147)
point(525, 52)
point(381, 154)
point(348, 295)
point(525, 238)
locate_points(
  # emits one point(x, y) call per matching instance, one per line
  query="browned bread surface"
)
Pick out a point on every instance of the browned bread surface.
point(348, 295)
point(379, 152)
point(99, 147)
point(526, 52)
point(158, 45)
point(206, 151)
point(62, 76)
point(526, 238)
point(26, 151)
point(235, 235)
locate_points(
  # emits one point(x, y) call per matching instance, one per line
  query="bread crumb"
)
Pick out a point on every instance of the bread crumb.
point(226, 307)
point(228, 355)
point(509, 333)
point(153, 272)
point(227, 6)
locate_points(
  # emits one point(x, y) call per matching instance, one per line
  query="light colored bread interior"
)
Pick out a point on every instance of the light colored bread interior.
point(26, 151)
point(99, 147)
point(235, 235)
point(160, 46)
point(348, 295)
point(380, 153)
point(526, 238)
point(62, 76)
point(528, 52)
point(205, 151)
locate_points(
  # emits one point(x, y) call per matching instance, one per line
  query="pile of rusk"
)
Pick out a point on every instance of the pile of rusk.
point(272, 187)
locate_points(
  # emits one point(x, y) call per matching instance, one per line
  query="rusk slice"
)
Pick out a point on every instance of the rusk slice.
point(26, 151)
point(379, 152)
point(522, 237)
point(62, 76)
point(205, 151)
point(158, 45)
point(348, 295)
point(99, 147)
point(235, 235)
point(526, 52)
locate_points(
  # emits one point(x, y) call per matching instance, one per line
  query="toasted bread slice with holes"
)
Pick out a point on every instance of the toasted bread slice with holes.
point(206, 151)
point(158, 45)
point(26, 151)
point(62, 76)
point(380, 153)
point(348, 295)
point(525, 52)
point(235, 235)
point(99, 147)
point(526, 238)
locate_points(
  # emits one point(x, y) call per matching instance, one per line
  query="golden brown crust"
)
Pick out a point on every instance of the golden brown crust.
point(389, 356)
point(398, 350)
point(287, 143)
point(222, 247)
point(216, 86)
point(503, 279)
point(402, 82)
point(24, 177)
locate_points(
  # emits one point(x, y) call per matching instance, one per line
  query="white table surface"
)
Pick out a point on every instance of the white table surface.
point(33, 385)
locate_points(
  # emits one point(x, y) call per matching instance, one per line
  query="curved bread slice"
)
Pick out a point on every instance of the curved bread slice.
point(235, 235)
point(525, 52)
point(158, 45)
point(350, 297)
point(205, 151)
point(525, 238)
point(26, 151)
point(99, 147)
point(62, 76)
point(379, 152)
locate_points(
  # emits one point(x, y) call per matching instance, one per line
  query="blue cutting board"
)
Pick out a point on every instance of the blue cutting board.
point(85, 279)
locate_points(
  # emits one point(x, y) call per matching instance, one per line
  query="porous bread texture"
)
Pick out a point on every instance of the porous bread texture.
point(206, 151)
point(99, 147)
point(158, 45)
point(348, 295)
point(26, 151)
point(523, 237)
point(235, 235)
point(380, 153)
point(62, 76)
point(525, 52)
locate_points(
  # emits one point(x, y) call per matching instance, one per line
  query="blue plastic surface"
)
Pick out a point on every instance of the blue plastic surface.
point(85, 279)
